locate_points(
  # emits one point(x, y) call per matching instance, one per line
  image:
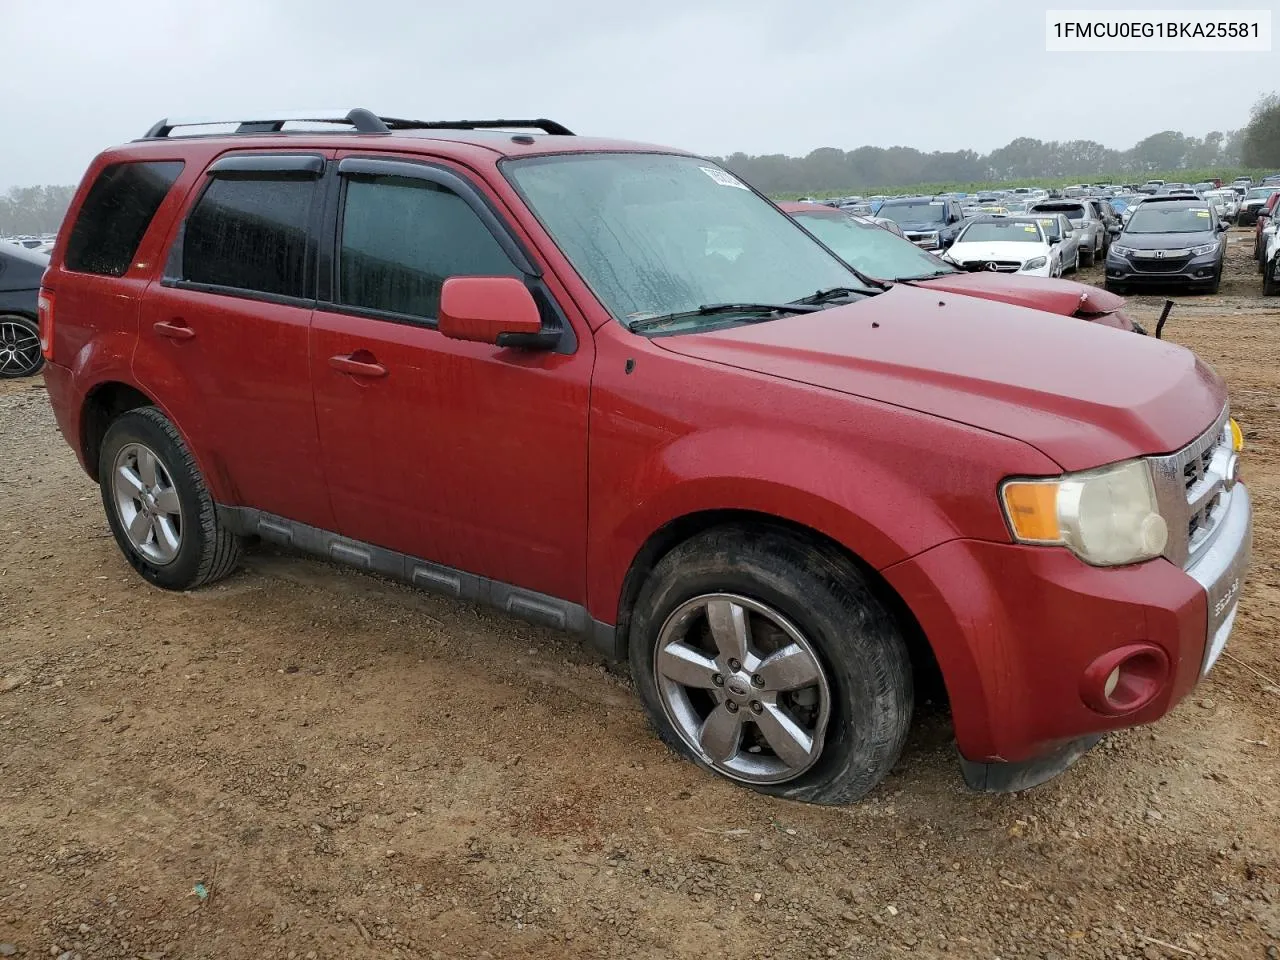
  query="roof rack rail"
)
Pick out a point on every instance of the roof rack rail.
point(543, 124)
point(364, 121)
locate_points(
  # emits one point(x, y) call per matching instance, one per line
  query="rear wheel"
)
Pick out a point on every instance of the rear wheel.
point(1089, 256)
point(20, 354)
point(157, 505)
point(768, 659)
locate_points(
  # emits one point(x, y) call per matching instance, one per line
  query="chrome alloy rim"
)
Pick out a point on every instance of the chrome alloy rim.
point(743, 687)
point(147, 503)
point(19, 349)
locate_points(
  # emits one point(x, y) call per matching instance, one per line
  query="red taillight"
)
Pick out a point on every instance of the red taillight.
point(44, 312)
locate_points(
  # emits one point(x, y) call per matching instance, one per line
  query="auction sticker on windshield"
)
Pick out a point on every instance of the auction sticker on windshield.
point(724, 178)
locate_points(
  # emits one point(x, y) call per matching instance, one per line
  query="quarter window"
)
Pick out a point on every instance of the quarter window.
point(115, 215)
point(251, 233)
point(402, 238)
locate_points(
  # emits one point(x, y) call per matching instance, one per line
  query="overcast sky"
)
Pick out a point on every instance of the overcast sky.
point(714, 76)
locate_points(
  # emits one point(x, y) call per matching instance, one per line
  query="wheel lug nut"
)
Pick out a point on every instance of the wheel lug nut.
point(731, 706)
point(757, 680)
point(735, 665)
point(717, 679)
point(757, 706)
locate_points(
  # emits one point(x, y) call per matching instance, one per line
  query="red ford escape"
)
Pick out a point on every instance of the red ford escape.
point(610, 388)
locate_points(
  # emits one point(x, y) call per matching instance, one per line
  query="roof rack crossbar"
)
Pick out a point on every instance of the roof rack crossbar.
point(364, 121)
point(542, 123)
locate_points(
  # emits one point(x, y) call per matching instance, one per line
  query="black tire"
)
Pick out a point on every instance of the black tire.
point(207, 551)
point(19, 359)
point(1270, 281)
point(829, 601)
point(1118, 288)
point(1089, 257)
point(1217, 283)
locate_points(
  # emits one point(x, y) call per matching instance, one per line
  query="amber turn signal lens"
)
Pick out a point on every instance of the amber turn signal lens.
point(1237, 435)
point(1033, 510)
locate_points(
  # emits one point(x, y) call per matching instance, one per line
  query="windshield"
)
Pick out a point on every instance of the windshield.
point(1261, 193)
point(1001, 231)
point(1170, 218)
point(653, 234)
point(1051, 226)
point(872, 250)
point(1071, 213)
point(915, 211)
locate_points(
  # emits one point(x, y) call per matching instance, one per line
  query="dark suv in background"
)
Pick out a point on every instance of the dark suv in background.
point(930, 223)
point(1167, 241)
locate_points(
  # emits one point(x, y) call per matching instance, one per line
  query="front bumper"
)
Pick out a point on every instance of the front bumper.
point(1015, 630)
point(1197, 270)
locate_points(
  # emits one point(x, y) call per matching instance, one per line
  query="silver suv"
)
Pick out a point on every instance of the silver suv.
point(1089, 225)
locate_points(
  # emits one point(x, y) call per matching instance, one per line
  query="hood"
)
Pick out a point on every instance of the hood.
point(20, 268)
point(1081, 394)
point(1166, 241)
point(998, 250)
point(919, 226)
point(1063, 297)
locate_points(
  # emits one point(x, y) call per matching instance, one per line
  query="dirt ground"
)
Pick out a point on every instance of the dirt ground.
point(306, 762)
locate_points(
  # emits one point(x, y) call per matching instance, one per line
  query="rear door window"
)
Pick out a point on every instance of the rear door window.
point(252, 233)
point(115, 215)
point(402, 237)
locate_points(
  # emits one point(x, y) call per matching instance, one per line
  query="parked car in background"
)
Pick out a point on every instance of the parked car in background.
point(1057, 228)
point(1001, 244)
point(1227, 201)
point(751, 471)
point(1087, 219)
point(1168, 241)
point(1253, 202)
point(1174, 187)
point(1271, 264)
point(1151, 186)
point(1265, 217)
point(932, 224)
point(20, 273)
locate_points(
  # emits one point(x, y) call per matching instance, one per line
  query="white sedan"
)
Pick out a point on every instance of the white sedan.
point(1006, 245)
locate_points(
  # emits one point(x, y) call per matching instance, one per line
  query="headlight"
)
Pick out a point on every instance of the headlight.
point(1122, 251)
point(1200, 251)
point(1106, 517)
point(1035, 264)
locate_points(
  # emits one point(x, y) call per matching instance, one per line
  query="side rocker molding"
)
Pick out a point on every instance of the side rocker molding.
point(527, 605)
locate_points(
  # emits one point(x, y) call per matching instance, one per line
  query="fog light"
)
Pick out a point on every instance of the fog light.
point(1125, 680)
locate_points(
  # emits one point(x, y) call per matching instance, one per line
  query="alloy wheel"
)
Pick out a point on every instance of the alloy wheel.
point(19, 349)
point(743, 687)
point(147, 503)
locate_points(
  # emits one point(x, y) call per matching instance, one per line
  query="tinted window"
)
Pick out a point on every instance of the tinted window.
point(403, 237)
point(116, 214)
point(251, 234)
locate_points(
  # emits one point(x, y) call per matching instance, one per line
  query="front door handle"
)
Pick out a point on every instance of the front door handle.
point(175, 329)
point(359, 364)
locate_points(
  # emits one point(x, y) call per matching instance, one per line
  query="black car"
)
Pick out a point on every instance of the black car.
point(20, 273)
point(1168, 241)
point(929, 222)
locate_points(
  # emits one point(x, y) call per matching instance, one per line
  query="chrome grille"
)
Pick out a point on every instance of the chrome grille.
point(1192, 491)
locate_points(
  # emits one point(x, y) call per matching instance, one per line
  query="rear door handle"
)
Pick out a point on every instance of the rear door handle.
point(359, 364)
point(174, 329)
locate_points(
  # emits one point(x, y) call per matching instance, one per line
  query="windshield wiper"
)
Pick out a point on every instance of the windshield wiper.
point(831, 293)
point(710, 309)
point(927, 276)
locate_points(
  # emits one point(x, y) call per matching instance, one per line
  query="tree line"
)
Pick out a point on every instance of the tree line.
point(36, 210)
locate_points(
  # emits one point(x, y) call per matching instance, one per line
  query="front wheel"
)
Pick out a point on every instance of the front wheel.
point(1271, 278)
point(768, 659)
point(159, 510)
point(20, 354)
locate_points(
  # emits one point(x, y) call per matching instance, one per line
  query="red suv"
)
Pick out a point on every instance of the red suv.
point(610, 388)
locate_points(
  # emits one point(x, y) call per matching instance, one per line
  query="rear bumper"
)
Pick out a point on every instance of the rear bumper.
point(60, 383)
point(1017, 631)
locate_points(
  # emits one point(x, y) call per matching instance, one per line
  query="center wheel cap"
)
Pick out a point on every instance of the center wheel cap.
point(738, 688)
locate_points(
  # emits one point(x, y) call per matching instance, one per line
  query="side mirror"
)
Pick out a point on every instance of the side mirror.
point(1223, 226)
point(497, 310)
point(1114, 229)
